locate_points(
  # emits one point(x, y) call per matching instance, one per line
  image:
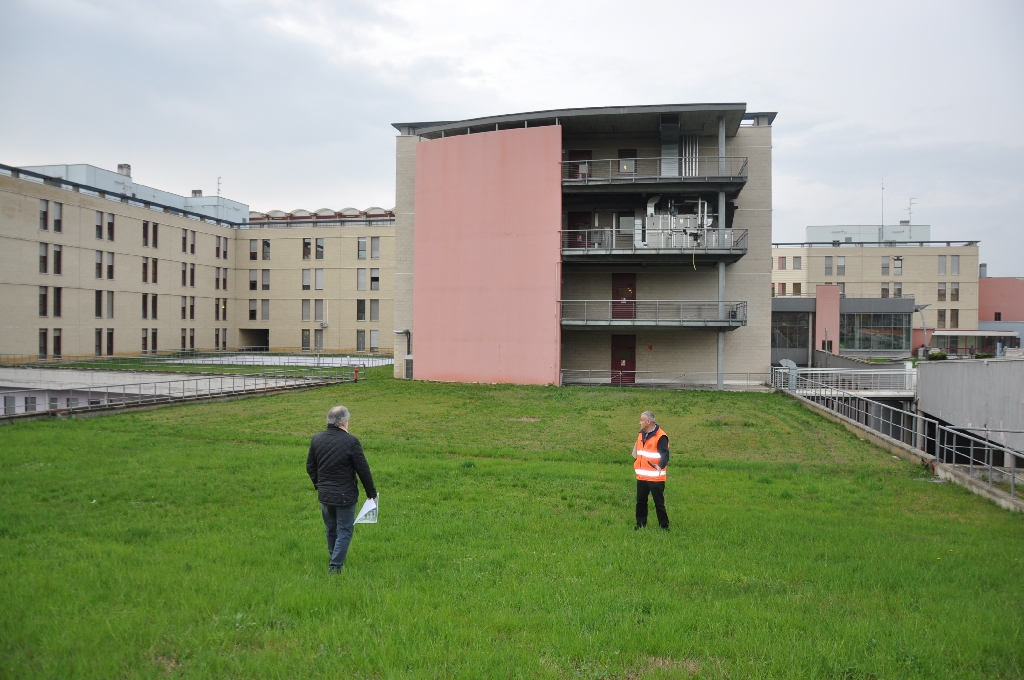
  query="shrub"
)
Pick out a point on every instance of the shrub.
point(936, 356)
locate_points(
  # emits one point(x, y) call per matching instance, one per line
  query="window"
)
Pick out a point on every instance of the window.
point(145, 270)
point(43, 345)
point(99, 225)
point(216, 338)
point(184, 240)
point(940, 321)
point(842, 290)
point(798, 263)
point(145, 234)
point(266, 279)
point(110, 342)
point(184, 273)
point(796, 291)
point(954, 265)
point(954, 292)
point(152, 340)
point(154, 270)
point(782, 289)
point(110, 304)
point(840, 266)
point(375, 247)
point(192, 244)
point(192, 307)
point(225, 254)
point(98, 308)
point(942, 265)
point(265, 310)
point(374, 340)
point(885, 289)
point(216, 309)
point(110, 226)
point(252, 279)
point(318, 340)
point(57, 351)
point(374, 310)
point(43, 304)
point(828, 266)
point(156, 234)
point(374, 279)
point(183, 334)
point(145, 305)
point(58, 217)
point(319, 279)
point(942, 293)
point(253, 248)
point(999, 316)
point(57, 304)
point(863, 331)
point(885, 265)
point(360, 341)
point(307, 248)
point(252, 310)
point(305, 279)
point(305, 310)
point(224, 315)
point(319, 249)
point(192, 274)
point(184, 305)
point(773, 290)
point(44, 215)
point(954, 318)
point(145, 340)
point(782, 263)
point(191, 338)
point(98, 342)
point(224, 278)
point(110, 266)
point(360, 279)
point(897, 289)
point(361, 247)
point(44, 257)
point(223, 338)
point(305, 339)
point(360, 310)
point(217, 251)
point(30, 402)
point(99, 264)
point(318, 310)
point(152, 300)
point(266, 249)
point(58, 257)
point(216, 278)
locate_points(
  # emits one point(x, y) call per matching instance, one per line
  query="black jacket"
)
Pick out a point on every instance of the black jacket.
point(335, 458)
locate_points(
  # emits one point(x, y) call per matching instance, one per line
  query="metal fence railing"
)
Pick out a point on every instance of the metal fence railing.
point(217, 362)
point(976, 455)
point(653, 240)
point(868, 379)
point(74, 399)
point(700, 313)
point(657, 169)
point(663, 379)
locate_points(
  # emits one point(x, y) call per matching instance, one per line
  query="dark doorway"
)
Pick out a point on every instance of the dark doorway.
point(623, 359)
point(254, 339)
point(579, 170)
point(623, 296)
point(579, 230)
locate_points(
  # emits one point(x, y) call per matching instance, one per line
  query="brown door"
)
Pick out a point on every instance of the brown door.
point(623, 359)
point(579, 170)
point(623, 296)
point(579, 230)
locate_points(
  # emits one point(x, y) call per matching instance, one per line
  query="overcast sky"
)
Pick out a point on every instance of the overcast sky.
point(291, 102)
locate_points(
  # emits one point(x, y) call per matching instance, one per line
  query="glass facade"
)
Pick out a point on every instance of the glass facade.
point(790, 330)
point(874, 331)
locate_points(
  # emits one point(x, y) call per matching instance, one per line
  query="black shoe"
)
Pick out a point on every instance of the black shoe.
point(666, 528)
point(638, 527)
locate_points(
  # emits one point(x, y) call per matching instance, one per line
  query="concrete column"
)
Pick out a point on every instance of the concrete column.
point(721, 210)
point(721, 334)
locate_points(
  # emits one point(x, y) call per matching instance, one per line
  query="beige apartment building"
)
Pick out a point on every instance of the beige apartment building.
point(941, 276)
point(95, 264)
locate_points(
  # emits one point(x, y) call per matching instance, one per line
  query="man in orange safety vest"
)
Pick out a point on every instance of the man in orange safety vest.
point(650, 458)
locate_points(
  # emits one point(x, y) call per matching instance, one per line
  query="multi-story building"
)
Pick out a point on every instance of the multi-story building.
point(941, 276)
point(617, 244)
point(1000, 310)
point(95, 263)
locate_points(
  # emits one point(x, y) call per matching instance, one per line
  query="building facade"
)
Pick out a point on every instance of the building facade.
point(620, 245)
point(96, 264)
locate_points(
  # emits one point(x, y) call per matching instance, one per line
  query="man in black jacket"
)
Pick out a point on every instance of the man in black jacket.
point(335, 458)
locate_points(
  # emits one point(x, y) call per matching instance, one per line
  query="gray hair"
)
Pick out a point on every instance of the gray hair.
point(337, 416)
point(649, 416)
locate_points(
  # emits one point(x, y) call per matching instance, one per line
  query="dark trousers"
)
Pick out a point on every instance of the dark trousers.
point(339, 521)
point(657, 490)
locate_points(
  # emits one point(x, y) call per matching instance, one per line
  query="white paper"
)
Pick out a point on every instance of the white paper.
point(368, 513)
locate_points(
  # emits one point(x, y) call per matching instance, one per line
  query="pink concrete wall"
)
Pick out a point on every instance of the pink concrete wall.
point(486, 272)
point(1001, 294)
point(826, 315)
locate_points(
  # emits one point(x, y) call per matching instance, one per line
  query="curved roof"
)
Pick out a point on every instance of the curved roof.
point(350, 212)
point(299, 213)
point(325, 212)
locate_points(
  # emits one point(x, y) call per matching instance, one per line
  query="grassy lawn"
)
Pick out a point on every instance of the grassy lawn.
point(187, 542)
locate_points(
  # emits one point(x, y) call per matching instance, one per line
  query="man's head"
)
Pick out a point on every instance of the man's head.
point(647, 422)
point(338, 417)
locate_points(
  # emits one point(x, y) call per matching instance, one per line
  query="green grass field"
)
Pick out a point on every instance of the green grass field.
point(187, 542)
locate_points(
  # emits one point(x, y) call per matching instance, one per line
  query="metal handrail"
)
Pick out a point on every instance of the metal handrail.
point(653, 239)
point(663, 379)
point(935, 441)
point(658, 168)
point(663, 311)
point(870, 379)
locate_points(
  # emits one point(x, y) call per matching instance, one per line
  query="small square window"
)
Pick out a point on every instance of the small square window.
point(797, 262)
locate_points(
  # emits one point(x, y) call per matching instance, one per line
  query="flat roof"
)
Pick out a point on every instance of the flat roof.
point(693, 119)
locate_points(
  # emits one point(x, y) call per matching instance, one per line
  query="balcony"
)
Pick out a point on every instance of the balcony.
point(661, 238)
point(695, 314)
point(725, 173)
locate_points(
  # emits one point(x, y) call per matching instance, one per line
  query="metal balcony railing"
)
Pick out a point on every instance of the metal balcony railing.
point(881, 382)
point(658, 169)
point(667, 313)
point(654, 238)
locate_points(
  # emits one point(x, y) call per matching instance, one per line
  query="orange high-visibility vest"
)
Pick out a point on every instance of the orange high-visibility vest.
point(647, 457)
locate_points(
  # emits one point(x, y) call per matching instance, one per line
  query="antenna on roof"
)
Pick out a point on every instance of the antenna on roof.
point(218, 187)
point(910, 211)
point(883, 204)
